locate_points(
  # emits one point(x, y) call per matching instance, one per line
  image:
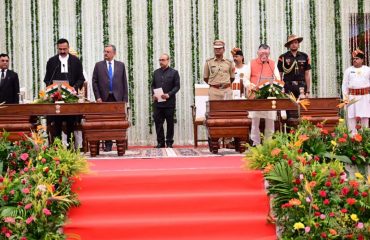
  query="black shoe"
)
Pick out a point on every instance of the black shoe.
point(107, 149)
point(160, 146)
point(169, 145)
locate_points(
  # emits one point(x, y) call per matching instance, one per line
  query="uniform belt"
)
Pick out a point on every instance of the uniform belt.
point(360, 91)
point(221, 86)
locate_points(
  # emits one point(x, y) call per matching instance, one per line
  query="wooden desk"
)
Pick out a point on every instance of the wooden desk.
point(229, 118)
point(102, 121)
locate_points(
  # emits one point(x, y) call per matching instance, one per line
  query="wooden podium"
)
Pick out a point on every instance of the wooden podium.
point(101, 121)
point(229, 118)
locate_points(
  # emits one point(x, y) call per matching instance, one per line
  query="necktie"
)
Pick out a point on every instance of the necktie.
point(2, 75)
point(110, 73)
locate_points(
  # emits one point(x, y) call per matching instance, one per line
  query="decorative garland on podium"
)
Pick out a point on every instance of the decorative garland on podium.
point(215, 19)
point(9, 29)
point(239, 24)
point(262, 17)
point(105, 22)
point(55, 21)
point(150, 46)
point(338, 45)
point(35, 47)
point(130, 61)
point(313, 46)
point(79, 28)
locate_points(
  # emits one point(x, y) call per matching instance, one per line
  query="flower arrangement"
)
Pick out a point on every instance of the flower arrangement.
point(267, 88)
point(313, 195)
point(35, 188)
point(58, 92)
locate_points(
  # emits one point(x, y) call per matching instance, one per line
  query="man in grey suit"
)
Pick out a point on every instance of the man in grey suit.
point(110, 82)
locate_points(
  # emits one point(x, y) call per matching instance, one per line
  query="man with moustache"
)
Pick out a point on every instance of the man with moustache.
point(67, 67)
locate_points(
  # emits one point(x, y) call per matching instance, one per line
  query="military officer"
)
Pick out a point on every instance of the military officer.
point(294, 67)
point(219, 73)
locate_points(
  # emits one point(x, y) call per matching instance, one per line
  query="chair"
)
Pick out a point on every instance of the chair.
point(199, 109)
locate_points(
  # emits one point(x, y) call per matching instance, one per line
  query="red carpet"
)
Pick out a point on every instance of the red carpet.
point(168, 199)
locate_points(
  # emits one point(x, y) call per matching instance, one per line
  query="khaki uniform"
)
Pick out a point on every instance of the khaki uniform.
point(219, 73)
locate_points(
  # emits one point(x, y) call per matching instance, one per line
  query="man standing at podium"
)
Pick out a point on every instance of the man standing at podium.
point(109, 81)
point(261, 69)
point(9, 82)
point(219, 73)
point(65, 67)
point(165, 85)
point(356, 86)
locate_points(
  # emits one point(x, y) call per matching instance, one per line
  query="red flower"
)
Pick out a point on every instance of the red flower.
point(323, 235)
point(343, 210)
point(328, 184)
point(364, 194)
point(46, 211)
point(297, 181)
point(324, 131)
point(351, 201)
point(333, 173)
point(345, 191)
point(342, 140)
point(290, 162)
point(5, 198)
point(355, 192)
point(286, 205)
point(295, 189)
point(353, 158)
point(322, 193)
point(316, 158)
point(326, 202)
point(332, 214)
point(317, 214)
point(319, 125)
point(285, 156)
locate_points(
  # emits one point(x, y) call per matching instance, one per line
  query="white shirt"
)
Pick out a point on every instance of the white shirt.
point(64, 63)
point(240, 73)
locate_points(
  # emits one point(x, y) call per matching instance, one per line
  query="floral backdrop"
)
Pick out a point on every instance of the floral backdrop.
point(143, 29)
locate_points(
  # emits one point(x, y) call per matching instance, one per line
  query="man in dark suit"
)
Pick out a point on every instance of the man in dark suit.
point(9, 85)
point(64, 66)
point(109, 81)
point(165, 79)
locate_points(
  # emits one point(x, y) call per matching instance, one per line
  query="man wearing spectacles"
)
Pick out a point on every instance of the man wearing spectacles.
point(165, 85)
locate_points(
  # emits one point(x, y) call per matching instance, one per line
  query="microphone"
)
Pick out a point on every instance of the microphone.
point(52, 75)
point(273, 73)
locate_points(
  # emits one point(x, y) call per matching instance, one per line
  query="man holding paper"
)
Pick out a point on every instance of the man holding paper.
point(165, 85)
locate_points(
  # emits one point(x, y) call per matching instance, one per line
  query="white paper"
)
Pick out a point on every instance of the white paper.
point(158, 92)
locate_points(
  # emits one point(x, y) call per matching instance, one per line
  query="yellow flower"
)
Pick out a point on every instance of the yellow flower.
point(341, 120)
point(354, 217)
point(359, 175)
point(42, 94)
point(334, 143)
point(298, 226)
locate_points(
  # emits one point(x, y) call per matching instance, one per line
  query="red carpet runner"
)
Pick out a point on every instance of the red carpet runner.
point(169, 199)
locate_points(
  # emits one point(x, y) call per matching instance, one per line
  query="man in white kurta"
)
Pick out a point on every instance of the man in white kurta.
point(356, 85)
point(259, 69)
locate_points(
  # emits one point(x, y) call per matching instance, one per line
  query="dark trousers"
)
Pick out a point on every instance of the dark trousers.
point(109, 143)
point(62, 123)
point(160, 115)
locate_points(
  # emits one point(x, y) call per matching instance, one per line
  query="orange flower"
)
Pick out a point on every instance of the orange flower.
point(268, 168)
point(333, 232)
point(357, 137)
point(312, 184)
point(295, 202)
point(315, 207)
point(354, 184)
point(275, 152)
point(303, 137)
point(302, 159)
